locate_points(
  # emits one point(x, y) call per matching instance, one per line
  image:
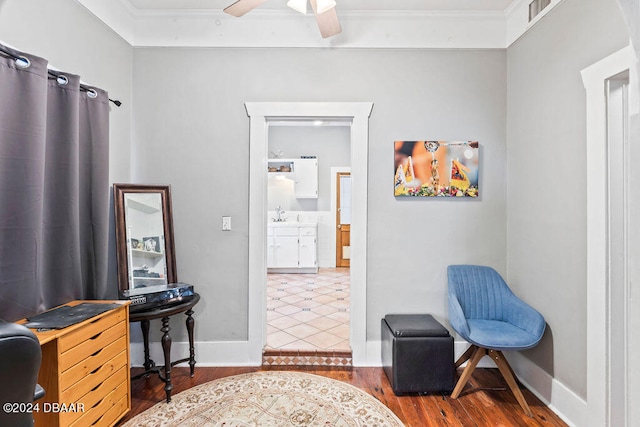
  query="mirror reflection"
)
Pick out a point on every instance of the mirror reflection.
point(144, 238)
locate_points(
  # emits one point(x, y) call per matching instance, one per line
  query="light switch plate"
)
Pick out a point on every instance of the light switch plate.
point(226, 223)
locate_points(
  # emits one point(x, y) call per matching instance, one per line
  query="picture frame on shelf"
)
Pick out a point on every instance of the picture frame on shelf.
point(152, 244)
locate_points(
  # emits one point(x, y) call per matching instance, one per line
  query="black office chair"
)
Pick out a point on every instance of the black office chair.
point(20, 357)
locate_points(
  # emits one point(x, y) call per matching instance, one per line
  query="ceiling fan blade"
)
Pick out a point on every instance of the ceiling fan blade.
point(241, 7)
point(328, 21)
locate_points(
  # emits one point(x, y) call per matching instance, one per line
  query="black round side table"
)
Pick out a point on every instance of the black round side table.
point(164, 313)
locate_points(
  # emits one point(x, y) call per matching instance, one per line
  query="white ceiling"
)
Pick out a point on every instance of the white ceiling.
point(346, 5)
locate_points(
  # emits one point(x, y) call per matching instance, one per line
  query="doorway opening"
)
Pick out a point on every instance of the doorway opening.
point(261, 114)
point(308, 294)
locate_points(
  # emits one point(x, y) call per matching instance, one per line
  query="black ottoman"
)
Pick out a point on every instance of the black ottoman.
point(417, 354)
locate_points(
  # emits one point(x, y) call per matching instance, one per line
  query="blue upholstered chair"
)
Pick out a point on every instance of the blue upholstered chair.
point(484, 311)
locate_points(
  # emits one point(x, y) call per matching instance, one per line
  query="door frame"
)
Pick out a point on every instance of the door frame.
point(595, 79)
point(338, 222)
point(334, 207)
point(260, 114)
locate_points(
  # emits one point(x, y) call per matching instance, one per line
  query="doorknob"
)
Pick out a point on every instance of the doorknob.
point(339, 226)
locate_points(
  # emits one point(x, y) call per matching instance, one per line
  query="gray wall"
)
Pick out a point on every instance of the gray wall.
point(546, 209)
point(190, 129)
point(330, 145)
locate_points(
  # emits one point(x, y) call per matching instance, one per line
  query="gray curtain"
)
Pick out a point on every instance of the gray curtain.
point(54, 190)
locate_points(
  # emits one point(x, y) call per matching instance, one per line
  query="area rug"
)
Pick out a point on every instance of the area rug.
point(269, 399)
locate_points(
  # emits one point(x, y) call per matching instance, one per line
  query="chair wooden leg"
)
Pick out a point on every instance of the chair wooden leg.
point(478, 353)
point(465, 356)
point(507, 373)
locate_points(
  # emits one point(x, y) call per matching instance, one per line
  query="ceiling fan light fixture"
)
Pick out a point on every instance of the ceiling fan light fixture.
point(298, 5)
point(325, 5)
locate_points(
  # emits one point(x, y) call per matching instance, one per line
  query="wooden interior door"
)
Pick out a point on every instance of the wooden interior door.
point(343, 219)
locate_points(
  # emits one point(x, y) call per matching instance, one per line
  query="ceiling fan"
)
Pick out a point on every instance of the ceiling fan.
point(324, 10)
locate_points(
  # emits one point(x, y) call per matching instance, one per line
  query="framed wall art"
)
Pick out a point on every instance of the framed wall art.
point(436, 168)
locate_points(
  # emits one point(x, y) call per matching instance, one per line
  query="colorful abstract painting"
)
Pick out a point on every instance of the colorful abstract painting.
point(436, 168)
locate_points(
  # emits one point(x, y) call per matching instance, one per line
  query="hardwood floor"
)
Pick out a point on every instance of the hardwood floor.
point(485, 401)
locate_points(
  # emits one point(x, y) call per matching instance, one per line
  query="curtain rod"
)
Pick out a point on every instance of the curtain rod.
point(57, 75)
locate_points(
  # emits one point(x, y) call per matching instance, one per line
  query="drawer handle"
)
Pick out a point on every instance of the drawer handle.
point(95, 370)
point(97, 422)
point(97, 403)
point(96, 336)
point(96, 353)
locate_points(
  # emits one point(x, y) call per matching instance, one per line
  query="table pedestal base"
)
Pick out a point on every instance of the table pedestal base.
point(164, 372)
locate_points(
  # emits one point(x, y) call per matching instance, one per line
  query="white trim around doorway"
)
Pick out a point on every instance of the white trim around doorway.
point(260, 115)
point(594, 79)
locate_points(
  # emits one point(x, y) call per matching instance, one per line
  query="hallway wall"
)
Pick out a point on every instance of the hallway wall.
point(546, 202)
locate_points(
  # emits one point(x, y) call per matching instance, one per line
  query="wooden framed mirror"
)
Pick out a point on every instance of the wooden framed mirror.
point(144, 238)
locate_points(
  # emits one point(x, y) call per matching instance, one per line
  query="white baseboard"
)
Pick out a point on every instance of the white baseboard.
point(559, 398)
point(372, 356)
point(232, 353)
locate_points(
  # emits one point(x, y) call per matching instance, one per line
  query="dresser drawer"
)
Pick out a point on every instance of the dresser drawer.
point(92, 381)
point(92, 362)
point(94, 398)
point(113, 414)
point(91, 346)
point(85, 370)
point(80, 335)
point(107, 411)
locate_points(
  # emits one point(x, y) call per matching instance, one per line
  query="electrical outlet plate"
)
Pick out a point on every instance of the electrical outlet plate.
point(226, 223)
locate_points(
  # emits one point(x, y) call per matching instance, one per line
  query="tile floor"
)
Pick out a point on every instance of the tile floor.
point(308, 312)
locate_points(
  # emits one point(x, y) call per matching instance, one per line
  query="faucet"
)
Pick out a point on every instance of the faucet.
point(279, 212)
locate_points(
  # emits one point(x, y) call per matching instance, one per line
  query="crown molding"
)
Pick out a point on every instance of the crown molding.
point(280, 29)
point(517, 18)
point(118, 15)
point(389, 29)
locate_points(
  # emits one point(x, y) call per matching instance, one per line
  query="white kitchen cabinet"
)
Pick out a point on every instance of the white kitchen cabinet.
point(285, 247)
point(306, 178)
point(292, 248)
point(281, 167)
point(307, 252)
point(303, 172)
point(270, 248)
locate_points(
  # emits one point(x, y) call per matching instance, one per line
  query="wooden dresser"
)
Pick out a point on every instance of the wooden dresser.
point(85, 371)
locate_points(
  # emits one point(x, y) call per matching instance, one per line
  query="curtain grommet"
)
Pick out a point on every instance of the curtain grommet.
point(23, 62)
point(92, 93)
point(62, 80)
